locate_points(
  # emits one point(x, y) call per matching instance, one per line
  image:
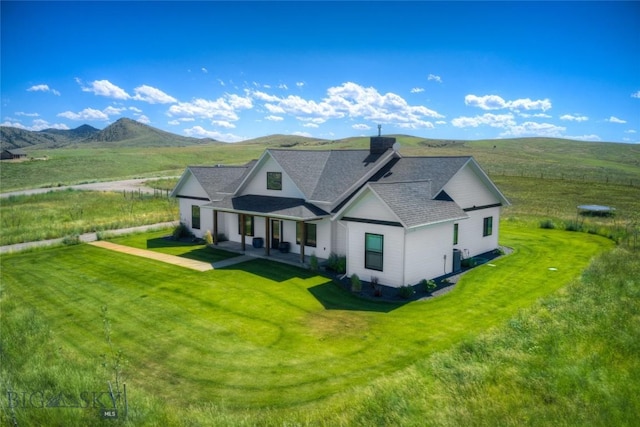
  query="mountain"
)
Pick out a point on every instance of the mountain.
point(123, 133)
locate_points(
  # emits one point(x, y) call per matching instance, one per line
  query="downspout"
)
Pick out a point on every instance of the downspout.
point(404, 259)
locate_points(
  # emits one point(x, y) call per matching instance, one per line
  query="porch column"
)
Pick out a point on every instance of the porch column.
point(267, 236)
point(215, 227)
point(242, 232)
point(303, 241)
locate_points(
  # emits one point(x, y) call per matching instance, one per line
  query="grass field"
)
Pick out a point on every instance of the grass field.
point(254, 336)
point(72, 212)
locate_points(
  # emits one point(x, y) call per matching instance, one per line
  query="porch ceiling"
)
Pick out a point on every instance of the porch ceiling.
point(277, 207)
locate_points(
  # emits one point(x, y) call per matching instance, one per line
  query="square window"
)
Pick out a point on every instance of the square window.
point(455, 234)
point(248, 225)
point(310, 231)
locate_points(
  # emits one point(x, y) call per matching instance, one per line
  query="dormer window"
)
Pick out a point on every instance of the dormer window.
point(274, 180)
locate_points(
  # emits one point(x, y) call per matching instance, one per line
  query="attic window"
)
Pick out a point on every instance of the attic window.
point(274, 180)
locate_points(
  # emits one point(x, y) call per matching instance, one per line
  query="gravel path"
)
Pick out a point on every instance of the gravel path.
point(124, 185)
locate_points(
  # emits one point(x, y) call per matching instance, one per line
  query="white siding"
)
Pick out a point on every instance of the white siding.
point(258, 183)
point(206, 217)
point(470, 239)
point(393, 252)
point(467, 189)
point(192, 188)
point(429, 253)
point(323, 238)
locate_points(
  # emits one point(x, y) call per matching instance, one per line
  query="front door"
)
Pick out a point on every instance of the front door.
point(275, 233)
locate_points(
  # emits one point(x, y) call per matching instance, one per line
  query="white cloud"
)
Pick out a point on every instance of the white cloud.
point(173, 122)
point(351, 100)
point(200, 132)
point(614, 119)
point(574, 118)
point(221, 82)
point(223, 124)
point(299, 84)
point(113, 111)
point(434, 78)
point(495, 102)
point(441, 122)
point(537, 115)
point(152, 95)
point(630, 131)
point(43, 88)
point(135, 110)
point(144, 119)
point(104, 88)
point(283, 86)
point(636, 94)
point(37, 124)
point(487, 119)
point(20, 113)
point(224, 108)
point(535, 129)
point(310, 125)
point(308, 135)
point(417, 90)
point(591, 137)
point(86, 114)
point(274, 118)
point(204, 70)
point(361, 126)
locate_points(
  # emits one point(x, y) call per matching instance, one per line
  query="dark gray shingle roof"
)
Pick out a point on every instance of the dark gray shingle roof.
point(220, 180)
point(438, 170)
point(413, 204)
point(324, 176)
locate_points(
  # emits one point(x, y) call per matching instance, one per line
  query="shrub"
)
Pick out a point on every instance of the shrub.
point(356, 284)
point(429, 285)
point(208, 238)
point(313, 262)
point(572, 226)
point(71, 240)
point(337, 263)
point(221, 237)
point(406, 291)
point(181, 231)
point(548, 224)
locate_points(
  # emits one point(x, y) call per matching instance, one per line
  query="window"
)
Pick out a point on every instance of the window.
point(487, 229)
point(195, 217)
point(455, 234)
point(373, 251)
point(248, 225)
point(309, 233)
point(274, 180)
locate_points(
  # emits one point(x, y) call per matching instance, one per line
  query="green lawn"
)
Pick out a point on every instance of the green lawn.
point(258, 334)
point(157, 241)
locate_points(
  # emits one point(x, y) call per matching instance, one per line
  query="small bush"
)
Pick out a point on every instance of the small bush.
point(221, 237)
point(548, 224)
point(406, 291)
point(71, 240)
point(337, 263)
point(313, 262)
point(208, 238)
point(181, 231)
point(429, 285)
point(356, 284)
point(572, 226)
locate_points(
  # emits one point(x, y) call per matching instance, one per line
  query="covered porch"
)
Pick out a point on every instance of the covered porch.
point(273, 255)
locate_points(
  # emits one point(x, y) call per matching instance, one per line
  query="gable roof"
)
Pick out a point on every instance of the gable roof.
point(413, 204)
point(326, 176)
point(217, 181)
point(437, 170)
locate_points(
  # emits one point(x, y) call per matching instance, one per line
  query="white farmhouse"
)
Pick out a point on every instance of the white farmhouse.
point(400, 219)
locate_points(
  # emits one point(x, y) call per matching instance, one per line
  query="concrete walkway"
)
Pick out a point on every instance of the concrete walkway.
point(169, 259)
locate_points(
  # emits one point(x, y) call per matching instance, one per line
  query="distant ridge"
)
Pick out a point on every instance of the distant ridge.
point(123, 133)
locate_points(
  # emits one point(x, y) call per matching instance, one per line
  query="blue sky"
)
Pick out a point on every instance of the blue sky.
point(239, 70)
